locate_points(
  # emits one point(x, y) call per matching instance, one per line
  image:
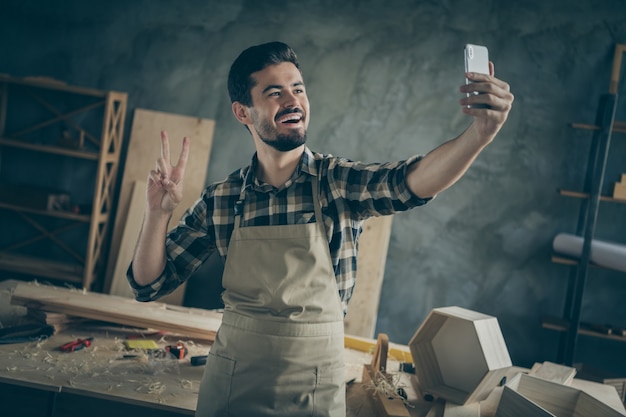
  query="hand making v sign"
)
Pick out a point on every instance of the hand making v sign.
point(165, 182)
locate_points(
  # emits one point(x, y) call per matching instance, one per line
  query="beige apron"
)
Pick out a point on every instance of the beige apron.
point(279, 350)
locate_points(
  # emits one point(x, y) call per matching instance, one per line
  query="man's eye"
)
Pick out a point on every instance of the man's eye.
point(274, 94)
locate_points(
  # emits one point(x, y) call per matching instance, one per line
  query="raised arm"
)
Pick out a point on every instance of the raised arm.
point(446, 164)
point(164, 192)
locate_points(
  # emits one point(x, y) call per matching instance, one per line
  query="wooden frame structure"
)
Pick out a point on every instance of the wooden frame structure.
point(58, 102)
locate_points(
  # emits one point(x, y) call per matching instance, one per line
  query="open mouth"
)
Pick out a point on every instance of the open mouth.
point(290, 118)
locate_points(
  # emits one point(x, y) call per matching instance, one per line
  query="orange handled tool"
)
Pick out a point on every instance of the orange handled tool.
point(76, 345)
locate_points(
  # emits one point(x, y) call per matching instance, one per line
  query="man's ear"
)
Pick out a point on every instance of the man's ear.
point(241, 112)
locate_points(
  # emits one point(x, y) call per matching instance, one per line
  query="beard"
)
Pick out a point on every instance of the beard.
point(283, 142)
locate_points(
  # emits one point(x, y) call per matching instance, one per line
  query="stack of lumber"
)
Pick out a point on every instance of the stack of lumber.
point(58, 321)
point(190, 322)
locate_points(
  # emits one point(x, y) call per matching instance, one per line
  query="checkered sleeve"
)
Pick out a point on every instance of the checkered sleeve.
point(188, 245)
point(374, 189)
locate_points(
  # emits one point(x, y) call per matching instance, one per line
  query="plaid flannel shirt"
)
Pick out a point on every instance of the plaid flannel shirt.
point(350, 192)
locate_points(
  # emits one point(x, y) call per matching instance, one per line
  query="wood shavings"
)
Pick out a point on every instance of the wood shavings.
point(155, 387)
point(186, 384)
point(387, 385)
point(192, 344)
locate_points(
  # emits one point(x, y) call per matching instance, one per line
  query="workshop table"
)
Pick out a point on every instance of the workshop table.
point(38, 379)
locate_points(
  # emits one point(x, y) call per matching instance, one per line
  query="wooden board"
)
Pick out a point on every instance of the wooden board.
point(530, 396)
point(456, 410)
point(144, 148)
point(401, 353)
point(554, 372)
point(602, 392)
point(134, 216)
point(363, 307)
point(195, 323)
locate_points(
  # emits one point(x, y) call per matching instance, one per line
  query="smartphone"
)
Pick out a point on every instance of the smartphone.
point(476, 60)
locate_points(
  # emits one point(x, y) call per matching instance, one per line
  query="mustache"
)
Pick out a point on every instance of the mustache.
point(289, 111)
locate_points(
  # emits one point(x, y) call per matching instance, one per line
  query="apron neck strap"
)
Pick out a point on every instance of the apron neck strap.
point(316, 203)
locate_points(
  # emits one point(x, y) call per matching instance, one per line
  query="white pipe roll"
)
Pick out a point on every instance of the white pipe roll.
point(606, 254)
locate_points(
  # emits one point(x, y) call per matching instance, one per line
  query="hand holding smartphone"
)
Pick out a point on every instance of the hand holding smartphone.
point(476, 60)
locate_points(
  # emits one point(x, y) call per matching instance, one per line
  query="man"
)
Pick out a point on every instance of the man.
point(287, 227)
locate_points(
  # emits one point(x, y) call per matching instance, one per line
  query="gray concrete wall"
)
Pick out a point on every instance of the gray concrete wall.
point(383, 78)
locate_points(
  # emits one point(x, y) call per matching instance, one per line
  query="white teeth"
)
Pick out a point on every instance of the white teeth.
point(294, 117)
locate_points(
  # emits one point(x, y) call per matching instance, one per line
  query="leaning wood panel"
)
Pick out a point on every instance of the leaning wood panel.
point(363, 308)
point(191, 322)
point(119, 285)
point(144, 148)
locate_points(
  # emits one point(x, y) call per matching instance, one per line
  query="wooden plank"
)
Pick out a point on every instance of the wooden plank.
point(119, 283)
point(620, 49)
point(144, 148)
point(602, 392)
point(577, 194)
point(456, 410)
point(363, 307)
point(401, 353)
point(619, 127)
point(530, 396)
point(47, 82)
point(191, 322)
point(554, 372)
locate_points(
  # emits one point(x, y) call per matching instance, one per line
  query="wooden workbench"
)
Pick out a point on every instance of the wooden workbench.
point(37, 379)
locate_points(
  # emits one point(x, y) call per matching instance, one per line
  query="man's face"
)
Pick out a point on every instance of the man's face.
point(280, 107)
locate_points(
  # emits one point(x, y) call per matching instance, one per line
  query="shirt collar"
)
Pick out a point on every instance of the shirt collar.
point(307, 166)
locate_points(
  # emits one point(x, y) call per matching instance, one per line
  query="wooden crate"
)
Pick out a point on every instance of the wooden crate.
point(529, 396)
point(459, 355)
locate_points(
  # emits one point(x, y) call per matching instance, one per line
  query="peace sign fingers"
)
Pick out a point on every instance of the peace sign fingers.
point(166, 180)
point(179, 169)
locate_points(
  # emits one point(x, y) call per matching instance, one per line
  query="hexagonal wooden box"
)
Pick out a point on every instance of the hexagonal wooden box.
point(459, 354)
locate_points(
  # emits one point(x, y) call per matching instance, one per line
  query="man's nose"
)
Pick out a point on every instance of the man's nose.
point(290, 100)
